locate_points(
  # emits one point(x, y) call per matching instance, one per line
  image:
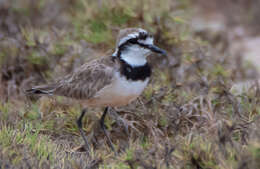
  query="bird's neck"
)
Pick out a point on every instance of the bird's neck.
point(136, 72)
point(134, 59)
point(133, 63)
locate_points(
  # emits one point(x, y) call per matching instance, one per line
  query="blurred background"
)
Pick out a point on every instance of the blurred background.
point(200, 110)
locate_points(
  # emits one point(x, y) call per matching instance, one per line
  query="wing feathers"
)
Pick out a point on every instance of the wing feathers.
point(44, 89)
point(83, 83)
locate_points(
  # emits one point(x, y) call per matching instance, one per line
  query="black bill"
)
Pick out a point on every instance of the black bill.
point(156, 49)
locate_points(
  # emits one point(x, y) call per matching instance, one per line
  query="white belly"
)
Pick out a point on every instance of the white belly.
point(125, 87)
point(120, 92)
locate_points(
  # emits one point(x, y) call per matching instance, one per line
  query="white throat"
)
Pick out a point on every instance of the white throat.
point(135, 56)
point(134, 60)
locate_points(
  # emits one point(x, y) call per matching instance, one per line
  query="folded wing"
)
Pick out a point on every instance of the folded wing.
point(83, 83)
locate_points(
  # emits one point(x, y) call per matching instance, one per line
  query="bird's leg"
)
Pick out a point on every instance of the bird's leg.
point(103, 127)
point(79, 123)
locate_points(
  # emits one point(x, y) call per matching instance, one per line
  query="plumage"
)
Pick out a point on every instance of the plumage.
point(87, 80)
point(83, 83)
point(126, 34)
point(92, 81)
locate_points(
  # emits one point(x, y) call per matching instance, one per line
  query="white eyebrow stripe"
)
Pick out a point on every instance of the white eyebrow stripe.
point(130, 36)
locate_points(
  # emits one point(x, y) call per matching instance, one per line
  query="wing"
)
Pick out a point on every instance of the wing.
point(87, 80)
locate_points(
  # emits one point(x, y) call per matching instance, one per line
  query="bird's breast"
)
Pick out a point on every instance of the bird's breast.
point(122, 86)
point(120, 92)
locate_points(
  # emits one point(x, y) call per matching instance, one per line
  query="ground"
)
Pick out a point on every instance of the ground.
point(189, 117)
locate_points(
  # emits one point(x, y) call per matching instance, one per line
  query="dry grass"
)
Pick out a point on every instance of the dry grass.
point(186, 118)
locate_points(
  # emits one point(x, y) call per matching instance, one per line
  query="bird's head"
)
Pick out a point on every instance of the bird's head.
point(134, 45)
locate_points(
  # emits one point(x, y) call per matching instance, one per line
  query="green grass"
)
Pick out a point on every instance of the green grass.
point(29, 139)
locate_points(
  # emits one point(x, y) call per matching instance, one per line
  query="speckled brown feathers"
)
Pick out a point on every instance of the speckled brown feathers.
point(84, 82)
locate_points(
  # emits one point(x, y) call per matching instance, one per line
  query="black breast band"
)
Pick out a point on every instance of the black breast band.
point(135, 73)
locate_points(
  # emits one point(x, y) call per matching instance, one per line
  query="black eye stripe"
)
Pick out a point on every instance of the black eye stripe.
point(141, 36)
point(132, 41)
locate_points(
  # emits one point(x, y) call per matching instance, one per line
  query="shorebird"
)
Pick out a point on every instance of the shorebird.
point(110, 81)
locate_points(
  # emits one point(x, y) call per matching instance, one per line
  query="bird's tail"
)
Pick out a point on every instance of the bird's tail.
point(44, 89)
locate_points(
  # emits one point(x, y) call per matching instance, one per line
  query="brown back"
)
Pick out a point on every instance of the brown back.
point(87, 80)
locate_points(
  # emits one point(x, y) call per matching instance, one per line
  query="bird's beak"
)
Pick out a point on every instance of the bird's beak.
point(156, 49)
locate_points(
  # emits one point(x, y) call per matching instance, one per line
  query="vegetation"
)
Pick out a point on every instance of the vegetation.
point(187, 118)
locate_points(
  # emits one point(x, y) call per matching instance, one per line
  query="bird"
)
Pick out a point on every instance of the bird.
point(110, 81)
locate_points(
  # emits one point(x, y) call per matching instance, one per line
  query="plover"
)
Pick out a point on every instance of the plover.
point(111, 81)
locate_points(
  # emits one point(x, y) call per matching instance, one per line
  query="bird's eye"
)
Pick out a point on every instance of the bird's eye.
point(133, 40)
point(142, 35)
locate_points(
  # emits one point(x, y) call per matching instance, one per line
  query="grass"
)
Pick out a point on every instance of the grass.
point(15, 143)
point(187, 118)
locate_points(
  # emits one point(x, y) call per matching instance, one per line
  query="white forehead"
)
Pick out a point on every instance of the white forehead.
point(131, 35)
